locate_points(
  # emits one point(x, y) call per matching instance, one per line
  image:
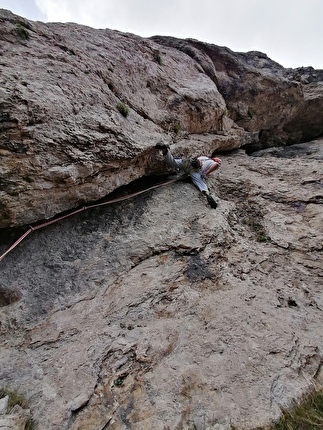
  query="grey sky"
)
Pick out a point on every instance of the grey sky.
point(288, 31)
point(26, 8)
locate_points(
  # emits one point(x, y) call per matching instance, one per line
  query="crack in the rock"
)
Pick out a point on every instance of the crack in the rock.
point(283, 200)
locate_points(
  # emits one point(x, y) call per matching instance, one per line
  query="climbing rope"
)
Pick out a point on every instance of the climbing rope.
point(109, 202)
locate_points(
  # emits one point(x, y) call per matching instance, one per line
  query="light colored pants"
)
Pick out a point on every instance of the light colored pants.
point(178, 164)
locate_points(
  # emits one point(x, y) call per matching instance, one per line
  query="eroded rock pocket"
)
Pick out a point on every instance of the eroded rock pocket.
point(8, 297)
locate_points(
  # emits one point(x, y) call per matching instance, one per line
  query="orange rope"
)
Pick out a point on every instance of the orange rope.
point(109, 202)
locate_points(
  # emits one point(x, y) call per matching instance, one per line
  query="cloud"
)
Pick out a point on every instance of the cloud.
point(58, 10)
point(26, 8)
point(288, 31)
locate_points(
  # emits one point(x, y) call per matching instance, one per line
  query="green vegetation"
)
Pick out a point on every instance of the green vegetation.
point(123, 109)
point(119, 381)
point(159, 59)
point(177, 127)
point(22, 32)
point(305, 415)
point(16, 399)
point(250, 113)
point(258, 228)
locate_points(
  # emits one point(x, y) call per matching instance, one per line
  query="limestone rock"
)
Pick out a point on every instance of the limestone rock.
point(281, 105)
point(15, 420)
point(159, 312)
point(4, 405)
point(81, 108)
point(156, 311)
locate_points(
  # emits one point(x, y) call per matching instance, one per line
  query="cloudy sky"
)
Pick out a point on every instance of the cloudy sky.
point(288, 31)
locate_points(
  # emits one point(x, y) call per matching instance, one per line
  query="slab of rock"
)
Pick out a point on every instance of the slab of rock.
point(4, 405)
point(159, 312)
point(16, 419)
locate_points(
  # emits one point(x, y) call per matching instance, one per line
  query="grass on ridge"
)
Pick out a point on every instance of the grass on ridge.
point(304, 415)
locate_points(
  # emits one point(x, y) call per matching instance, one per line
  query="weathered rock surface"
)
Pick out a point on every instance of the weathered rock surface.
point(14, 419)
point(63, 141)
point(157, 312)
point(160, 312)
point(280, 105)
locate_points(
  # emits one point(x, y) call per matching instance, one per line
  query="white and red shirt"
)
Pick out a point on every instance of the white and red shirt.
point(207, 163)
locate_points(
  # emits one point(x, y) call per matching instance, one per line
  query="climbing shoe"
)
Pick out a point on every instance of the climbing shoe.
point(212, 201)
point(161, 146)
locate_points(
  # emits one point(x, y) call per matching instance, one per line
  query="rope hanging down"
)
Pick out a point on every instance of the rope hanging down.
point(109, 202)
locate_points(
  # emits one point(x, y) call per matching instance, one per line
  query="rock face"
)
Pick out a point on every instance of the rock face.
point(157, 312)
point(279, 105)
point(80, 109)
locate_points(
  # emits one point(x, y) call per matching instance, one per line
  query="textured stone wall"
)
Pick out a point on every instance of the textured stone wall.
point(157, 311)
point(65, 140)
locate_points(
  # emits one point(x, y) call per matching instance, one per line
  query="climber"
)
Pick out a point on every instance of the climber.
point(198, 168)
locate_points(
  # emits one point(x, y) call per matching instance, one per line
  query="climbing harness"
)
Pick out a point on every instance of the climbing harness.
point(188, 165)
point(109, 202)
